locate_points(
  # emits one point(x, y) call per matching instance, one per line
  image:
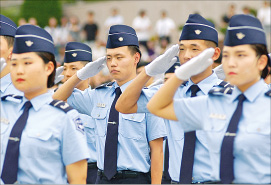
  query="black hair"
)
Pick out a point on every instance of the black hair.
point(47, 57)
point(260, 50)
point(134, 50)
point(9, 39)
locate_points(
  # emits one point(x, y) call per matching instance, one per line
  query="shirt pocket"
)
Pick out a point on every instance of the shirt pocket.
point(37, 143)
point(215, 132)
point(99, 116)
point(132, 126)
point(90, 132)
point(257, 138)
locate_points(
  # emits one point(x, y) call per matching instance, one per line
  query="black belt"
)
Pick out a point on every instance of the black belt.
point(92, 165)
point(208, 182)
point(123, 174)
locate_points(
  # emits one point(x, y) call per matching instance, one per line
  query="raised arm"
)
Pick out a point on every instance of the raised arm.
point(127, 102)
point(161, 103)
point(91, 69)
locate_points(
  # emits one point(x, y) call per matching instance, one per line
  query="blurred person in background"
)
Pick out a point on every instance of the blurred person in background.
point(114, 18)
point(90, 29)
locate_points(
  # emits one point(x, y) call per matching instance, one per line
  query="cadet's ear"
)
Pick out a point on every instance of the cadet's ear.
point(262, 62)
point(216, 54)
point(136, 57)
point(49, 68)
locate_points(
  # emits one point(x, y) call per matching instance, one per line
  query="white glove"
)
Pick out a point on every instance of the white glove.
point(59, 76)
point(196, 65)
point(91, 69)
point(2, 64)
point(162, 63)
point(220, 72)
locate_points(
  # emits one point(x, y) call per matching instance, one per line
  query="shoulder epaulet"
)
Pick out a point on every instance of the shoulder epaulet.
point(11, 96)
point(225, 84)
point(268, 93)
point(222, 88)
point(61, 105)
point(105, 85)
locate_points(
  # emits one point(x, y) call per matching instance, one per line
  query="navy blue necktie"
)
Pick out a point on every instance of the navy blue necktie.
point(10, 167)
point(111, 142)
point(188, 150)
point(226, 156)
point(166, 162)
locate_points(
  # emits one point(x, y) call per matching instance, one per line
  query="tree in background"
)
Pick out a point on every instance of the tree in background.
point(41, 10)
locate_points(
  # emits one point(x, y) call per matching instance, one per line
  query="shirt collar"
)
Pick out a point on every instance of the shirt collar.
point(252, 92)
point(5, 82)
point(38, 101)
point(123, 87)
point(206, 84)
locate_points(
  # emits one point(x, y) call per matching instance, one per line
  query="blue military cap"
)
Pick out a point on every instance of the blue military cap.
point(174, 67)
point(244, 29)
point(76, 51)
point(121, 35)
point(7, 26)
point(198, 28)
point(30, 38)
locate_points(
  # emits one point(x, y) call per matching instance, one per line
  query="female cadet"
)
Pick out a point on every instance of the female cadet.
point(237, 125)
point(46, 145)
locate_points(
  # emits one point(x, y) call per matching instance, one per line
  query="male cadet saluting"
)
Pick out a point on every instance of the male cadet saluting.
point(7, 32)
point(189, 160)
point(127, 145)
point(77, 55)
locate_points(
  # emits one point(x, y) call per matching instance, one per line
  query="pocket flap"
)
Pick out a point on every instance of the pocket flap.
point(99, 113)
point(259, 128)
point(42, 135)
point(137, 117)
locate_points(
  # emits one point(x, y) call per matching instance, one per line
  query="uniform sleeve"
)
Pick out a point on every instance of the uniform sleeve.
point(74, 144)
point(82, 100)
point(156, 127)
point(191, 112)
point(146, 95)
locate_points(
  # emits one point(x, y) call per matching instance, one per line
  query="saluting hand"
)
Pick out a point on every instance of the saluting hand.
point(196, 65)
point(91, 69)
point(59, 76)
point(162, 63)
point(2, 64)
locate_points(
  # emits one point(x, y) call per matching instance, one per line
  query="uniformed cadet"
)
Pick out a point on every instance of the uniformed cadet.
point(128, 146)
point(237, 124)
point(189, 160)
point(42, 140)
point(7, 33)
point(77, 55)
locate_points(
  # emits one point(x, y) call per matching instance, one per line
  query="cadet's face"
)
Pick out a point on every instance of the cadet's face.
point(190, 48)
point(5, 51)
point(121, 64)
point(70, 69)
point(29, 74)
point(241, 65)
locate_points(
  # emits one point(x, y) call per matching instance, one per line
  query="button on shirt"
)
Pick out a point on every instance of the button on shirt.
point(50, 140)
point(135, 130)
point(202, 169)
point(7, 87)
point(252, 143)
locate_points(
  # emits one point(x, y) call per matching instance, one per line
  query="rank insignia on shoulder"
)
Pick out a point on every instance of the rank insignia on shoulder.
point(61, 105)
point(220, 91)
point(12, 97)
point(225, 84)
point(268, 93)
point(79, 125)
point(105, 85)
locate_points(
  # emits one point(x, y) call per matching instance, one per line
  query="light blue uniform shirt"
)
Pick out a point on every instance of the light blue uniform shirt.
point(51, 140)
point(135, 130)
point(89, 126)
point(7, 87)
point(252, 145)
point(202, 168)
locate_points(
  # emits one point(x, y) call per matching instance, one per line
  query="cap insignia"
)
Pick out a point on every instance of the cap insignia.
point(197, 32)
point(121, 39)
point(74, 54)
point(29, 43)
point(240, 35)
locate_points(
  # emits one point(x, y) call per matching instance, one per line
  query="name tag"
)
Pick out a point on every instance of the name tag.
point(102, 105)
point(217, 116)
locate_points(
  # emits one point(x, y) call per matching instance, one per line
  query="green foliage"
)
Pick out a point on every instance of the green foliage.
point(41, 10)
